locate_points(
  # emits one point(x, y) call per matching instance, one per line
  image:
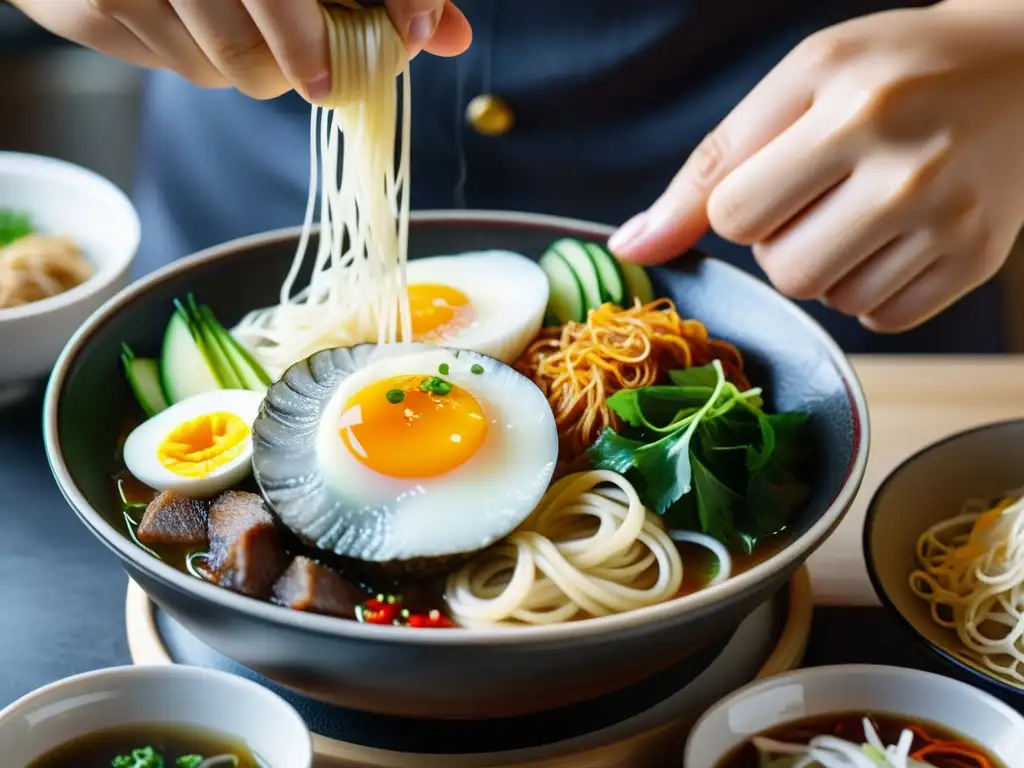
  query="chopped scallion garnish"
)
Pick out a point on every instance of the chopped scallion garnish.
point(395, 396)
point(443, 369)
point(477, 369)
point(436, 386)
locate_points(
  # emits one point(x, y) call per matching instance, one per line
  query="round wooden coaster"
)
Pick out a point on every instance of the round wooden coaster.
point(644, 725)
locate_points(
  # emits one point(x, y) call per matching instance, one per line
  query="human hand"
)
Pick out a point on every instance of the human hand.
point(878, 168)
point(262, 47)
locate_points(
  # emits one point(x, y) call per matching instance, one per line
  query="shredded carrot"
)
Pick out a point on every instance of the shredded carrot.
point(952, 750)
point(580, 365)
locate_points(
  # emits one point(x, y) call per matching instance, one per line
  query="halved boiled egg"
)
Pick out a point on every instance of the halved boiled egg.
point(490, 302)
point(403, 453)
point(197, 447)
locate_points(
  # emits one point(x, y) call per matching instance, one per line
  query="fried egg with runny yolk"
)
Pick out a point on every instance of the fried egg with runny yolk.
point(490, 302)
point(403, 452)
point(197, 447)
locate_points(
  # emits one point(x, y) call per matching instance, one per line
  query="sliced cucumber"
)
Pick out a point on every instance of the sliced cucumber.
point(143, 376)
point(185, 369)
point(250, 373)
point(613, 284)
point(222, 366)
point(638, 283)
point(576, 256)
point(566, 302)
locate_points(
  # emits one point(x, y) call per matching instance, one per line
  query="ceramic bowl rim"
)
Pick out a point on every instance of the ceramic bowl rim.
point(329, 626)
point(826, 671)
point(206, 675)
point(104, 276)
point(870, 518)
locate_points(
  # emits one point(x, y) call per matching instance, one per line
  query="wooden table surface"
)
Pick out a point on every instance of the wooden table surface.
point(913, 401)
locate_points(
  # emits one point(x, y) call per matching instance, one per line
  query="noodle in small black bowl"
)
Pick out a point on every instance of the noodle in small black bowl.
point(466, 672)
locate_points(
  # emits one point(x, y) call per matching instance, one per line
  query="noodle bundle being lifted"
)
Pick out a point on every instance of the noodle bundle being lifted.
point(590, 548)
point(357, 291)
point(580, 365)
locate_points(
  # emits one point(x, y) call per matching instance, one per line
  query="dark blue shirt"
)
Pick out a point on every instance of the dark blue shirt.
point(609, 99)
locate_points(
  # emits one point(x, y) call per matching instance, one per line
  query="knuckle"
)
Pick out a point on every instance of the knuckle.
point(788, 274)
point(709, 159)
point(728, 217)
point(242, 52)
point(825, 49)
point(111, 7)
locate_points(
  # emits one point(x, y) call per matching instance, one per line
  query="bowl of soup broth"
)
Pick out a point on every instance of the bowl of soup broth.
point(568, 475)
point(858, 716)
point(154, 717)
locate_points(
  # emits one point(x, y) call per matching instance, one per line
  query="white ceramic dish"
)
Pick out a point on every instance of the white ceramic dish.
point(854, 688)
point(62, 199)
point(183, 696)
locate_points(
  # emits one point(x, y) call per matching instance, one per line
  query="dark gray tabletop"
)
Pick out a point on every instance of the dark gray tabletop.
point(61, 592)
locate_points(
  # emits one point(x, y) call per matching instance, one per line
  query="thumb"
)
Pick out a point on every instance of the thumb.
point(416, 21)
point(678, 219)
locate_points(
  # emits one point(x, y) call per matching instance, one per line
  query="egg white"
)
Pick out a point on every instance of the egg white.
point(509, 294)
point(494, 490)
point(141, 448)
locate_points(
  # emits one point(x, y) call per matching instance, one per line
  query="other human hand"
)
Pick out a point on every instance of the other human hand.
point(262, 47)
point(878, 168)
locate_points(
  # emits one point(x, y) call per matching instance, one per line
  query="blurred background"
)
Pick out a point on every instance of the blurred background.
point(66, 102)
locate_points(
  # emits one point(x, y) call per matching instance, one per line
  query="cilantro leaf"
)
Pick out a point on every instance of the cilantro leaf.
point(14, 225)
point(657, 408)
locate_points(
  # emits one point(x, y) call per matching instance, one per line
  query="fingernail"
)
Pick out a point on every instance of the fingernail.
point(629, 233)
point(319, 87)
point(421, 27)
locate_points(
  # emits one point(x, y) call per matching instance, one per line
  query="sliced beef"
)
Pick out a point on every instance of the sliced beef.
point(174, 519)
point(246, 554)
point(309, 586)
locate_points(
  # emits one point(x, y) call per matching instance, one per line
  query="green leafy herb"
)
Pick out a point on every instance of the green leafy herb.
point(143, 757)
point(706, 456)
point(395, 396)
point(436, 386)
point(443, 369)
point(477, 369)
point(14, 225)
point(189, 761)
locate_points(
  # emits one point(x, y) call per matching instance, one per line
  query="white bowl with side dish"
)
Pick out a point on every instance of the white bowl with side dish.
point(820, 691)
point(189, 697)
point(67, 200)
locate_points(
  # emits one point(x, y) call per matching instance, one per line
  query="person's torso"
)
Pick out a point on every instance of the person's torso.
point(608, 100)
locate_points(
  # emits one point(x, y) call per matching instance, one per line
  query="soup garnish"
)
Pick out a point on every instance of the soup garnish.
point(150, 746)
point(857, 741)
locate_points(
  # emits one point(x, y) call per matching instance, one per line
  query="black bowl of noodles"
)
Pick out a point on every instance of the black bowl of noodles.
point(474, 670)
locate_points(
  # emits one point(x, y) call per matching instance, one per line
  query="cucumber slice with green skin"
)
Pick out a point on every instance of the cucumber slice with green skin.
point(249, 377)
point(566, 302)
point(143, 376)
point(184, 366)
point(576, 256)
point(609, 274)
point(222, 367)
point(638, 283)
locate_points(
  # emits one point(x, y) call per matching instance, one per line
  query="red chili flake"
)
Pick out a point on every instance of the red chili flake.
point(377, 611)
point(433, 620)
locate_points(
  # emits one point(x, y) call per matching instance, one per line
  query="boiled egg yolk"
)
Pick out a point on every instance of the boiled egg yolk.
point(197, 447)
point(413, 426)
point(437, 310)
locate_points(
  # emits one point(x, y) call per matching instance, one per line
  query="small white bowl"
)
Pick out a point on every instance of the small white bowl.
point(168, 695)
point(856, 688)
point(62, 199)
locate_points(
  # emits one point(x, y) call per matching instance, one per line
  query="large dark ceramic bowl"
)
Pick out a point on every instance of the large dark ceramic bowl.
point(457, 673)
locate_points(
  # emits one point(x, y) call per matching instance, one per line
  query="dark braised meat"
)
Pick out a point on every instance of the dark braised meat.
point(246, 554)
point(171, 519)
point(310, 586)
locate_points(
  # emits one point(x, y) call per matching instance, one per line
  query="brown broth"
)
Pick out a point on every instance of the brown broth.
point(849, 726)
point(98, 750)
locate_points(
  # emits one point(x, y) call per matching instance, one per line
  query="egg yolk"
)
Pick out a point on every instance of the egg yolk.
point(197, 447)
point(437, 311)
point(413, 426)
